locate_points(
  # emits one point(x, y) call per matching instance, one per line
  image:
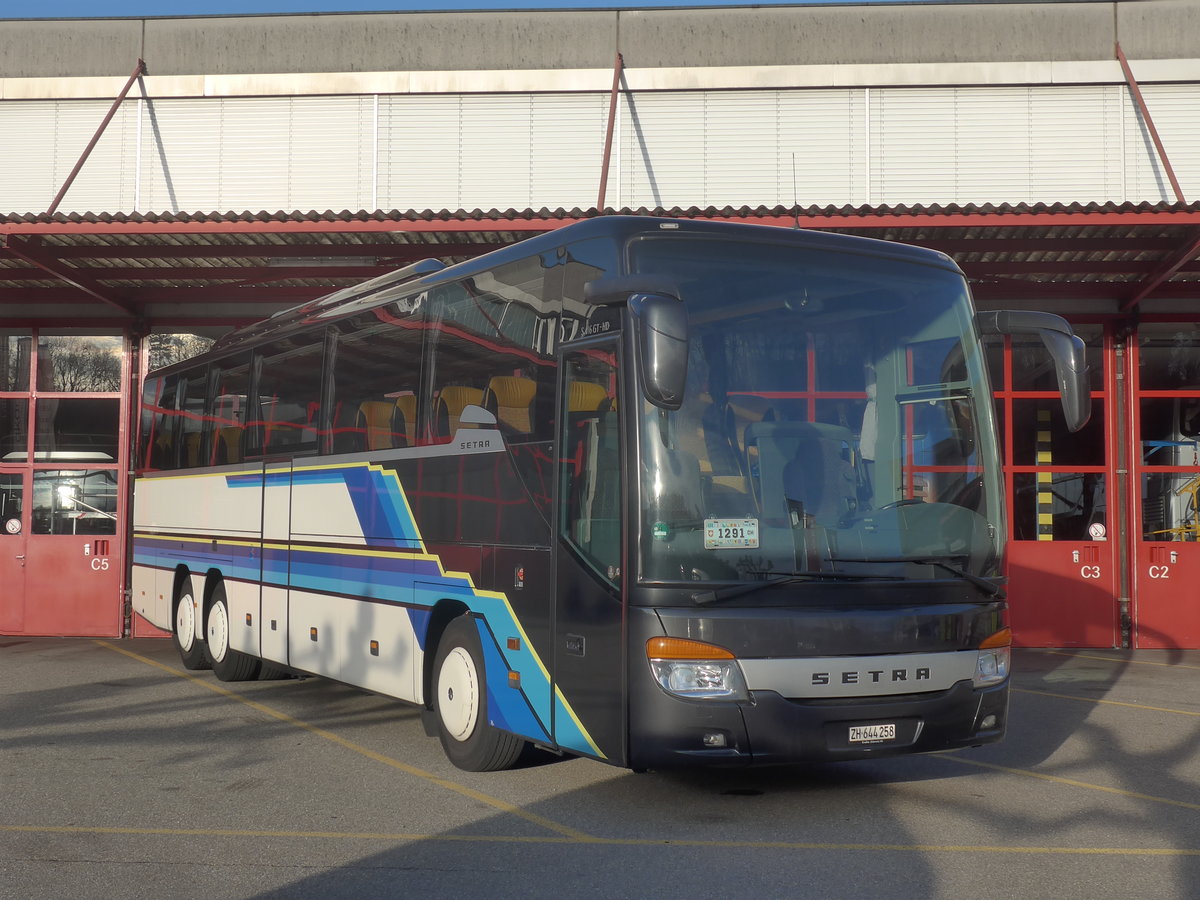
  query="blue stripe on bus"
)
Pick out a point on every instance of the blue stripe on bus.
point(384, 572)
point(507, 707)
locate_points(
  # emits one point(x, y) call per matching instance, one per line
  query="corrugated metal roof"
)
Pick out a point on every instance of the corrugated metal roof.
point(1115, 253)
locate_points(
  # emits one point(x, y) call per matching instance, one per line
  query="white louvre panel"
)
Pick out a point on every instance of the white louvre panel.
point(256, 153)
point(913, 146)
point(991, 145)
point(180, 155)
point(1075, 136)
point(995, 145)
point(1174, 109)
point(333, 148)
point(822, 147)
point(662, 149)
point(495, 151)
point(419, 152)
point(741, 150)
point(40, 142)
point(566, 151)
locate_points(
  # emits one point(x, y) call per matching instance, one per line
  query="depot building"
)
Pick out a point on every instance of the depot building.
point(165, 180)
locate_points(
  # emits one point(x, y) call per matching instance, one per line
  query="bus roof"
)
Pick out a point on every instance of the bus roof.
point(429, 273)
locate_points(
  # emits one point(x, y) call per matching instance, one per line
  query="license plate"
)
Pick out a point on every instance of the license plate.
point(724, 533)
point(872, 734)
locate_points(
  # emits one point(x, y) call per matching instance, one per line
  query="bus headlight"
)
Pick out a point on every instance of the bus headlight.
point(995, 656)
point(695, 670)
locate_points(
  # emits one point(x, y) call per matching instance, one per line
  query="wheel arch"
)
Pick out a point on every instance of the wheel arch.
point(212, 578)
point(443, 613)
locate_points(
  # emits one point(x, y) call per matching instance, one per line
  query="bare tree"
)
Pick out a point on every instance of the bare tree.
point(166, 349)
point(79, 364)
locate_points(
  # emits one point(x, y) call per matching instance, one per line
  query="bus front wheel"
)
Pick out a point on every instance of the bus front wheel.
point(183, 634)
point(460, 700)
point(227, 664)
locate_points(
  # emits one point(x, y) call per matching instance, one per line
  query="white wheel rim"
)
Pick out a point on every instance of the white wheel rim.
point(185, 622)
point(458, 694)
point(218, 631)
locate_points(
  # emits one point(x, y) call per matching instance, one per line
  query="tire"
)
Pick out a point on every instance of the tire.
point(460, 704)
point(227, 664)
point(183, 631)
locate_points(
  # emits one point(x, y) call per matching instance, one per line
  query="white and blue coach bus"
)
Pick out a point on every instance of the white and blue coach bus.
point(652, 492)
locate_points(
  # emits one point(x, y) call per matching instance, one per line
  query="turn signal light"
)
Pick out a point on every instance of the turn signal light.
point(1002, 638)
point(682, 648)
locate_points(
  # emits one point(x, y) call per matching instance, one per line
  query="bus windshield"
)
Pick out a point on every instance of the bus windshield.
point(836, 423)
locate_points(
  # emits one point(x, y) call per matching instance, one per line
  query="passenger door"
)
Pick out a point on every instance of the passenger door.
point(589, 649)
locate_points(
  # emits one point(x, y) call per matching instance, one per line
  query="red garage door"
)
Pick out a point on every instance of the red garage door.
point(62, 485)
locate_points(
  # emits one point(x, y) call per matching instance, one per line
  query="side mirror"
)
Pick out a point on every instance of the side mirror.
point(660, 325)
point(661, 328)
point(1065, 348)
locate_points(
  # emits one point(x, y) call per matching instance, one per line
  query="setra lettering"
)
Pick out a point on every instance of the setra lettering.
point(474, 445)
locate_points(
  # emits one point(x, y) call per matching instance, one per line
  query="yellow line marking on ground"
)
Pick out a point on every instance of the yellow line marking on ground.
point(1166, 709)
point(1119, 659)
point(462, 789)
point(616, 842)
point(1070, 782)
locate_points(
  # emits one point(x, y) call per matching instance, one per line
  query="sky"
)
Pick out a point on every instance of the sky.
point(92, 9)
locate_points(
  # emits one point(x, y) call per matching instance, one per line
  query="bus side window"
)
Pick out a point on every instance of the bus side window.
point(590, 462)
point(289, 392)
point(492, 344)
point(228, 416)
point(376, 373)
point(159, 418)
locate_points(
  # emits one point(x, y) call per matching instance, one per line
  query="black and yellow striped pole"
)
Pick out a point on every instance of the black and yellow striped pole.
point(1045, 496)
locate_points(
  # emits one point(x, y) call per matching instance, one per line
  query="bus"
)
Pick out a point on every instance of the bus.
point(654, 492)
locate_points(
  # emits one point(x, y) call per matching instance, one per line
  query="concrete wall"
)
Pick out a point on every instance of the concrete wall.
point(522, 40)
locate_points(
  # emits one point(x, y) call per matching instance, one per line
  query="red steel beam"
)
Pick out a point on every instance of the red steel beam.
point(1179, 261)
point(850, 221)
point(618, 66)
point(138, 71)
point(276, 251)
point(62, 274)
point(1145, 111)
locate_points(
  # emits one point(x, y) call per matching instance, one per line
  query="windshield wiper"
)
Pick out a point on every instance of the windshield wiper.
point(988, 587)
point(737, 590)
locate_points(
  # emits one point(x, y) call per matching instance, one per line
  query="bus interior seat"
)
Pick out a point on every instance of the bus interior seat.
point(511, 398)
point(743, 410)
point(587, 396)
point(191, 446)
point(808, 463)
point(229, 444)
point(376, 421)
point(452, 400)
point(406, 418)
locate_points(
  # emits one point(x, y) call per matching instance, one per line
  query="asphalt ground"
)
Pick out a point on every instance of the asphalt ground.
point(123, 776)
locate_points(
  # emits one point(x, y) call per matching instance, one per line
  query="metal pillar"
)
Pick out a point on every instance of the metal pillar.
point(618, 68)
point(87, 151)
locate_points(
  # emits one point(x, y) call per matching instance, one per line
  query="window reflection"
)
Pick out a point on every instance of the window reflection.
point(12, 493)
point(14, 430)
point(75, 502)
point(1168, 356)
point(1059, 506)
point(75, 363)
point(14, 360)
point(1169, 507)
point(75, 430)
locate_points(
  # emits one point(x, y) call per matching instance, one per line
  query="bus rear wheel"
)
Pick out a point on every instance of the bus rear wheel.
point(460, 700)
point(183, 632)
point(227, 664)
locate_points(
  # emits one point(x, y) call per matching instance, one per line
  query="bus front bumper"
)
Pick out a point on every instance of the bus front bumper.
point(774, 730)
